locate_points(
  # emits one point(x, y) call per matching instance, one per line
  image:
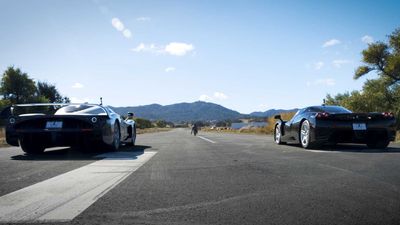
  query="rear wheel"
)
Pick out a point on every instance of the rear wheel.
point(133, 138)
point(30, 147)
point(116, 137)
point(380, 144)
point(305, 135)
point(278, 135)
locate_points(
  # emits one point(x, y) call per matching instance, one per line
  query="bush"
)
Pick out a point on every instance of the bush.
point(143, 123)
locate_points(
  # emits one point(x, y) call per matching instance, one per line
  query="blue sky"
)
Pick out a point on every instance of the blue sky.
point(245, 55)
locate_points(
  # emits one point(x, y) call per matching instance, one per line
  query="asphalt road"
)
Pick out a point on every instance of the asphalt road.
point(175, 178)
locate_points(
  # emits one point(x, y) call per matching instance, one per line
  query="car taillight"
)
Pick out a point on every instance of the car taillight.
point(321, 115)
point(11, 120)
point(387, 115)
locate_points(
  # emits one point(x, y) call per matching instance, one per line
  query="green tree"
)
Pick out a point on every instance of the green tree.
point(143, 123)
point(161, 123)
point(384, 58)
point(16, 86)
point(50, 92)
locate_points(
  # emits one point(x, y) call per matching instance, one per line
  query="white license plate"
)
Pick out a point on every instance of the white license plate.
point(359, 126)
point(54, 124)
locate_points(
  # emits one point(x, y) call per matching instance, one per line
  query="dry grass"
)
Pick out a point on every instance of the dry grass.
point(271, 121)
point(269, 129)
point(397, 136)
point(152, 130)
point(3, 137)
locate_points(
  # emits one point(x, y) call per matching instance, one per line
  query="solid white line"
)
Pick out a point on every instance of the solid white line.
point(206, 139)
point(65, 196)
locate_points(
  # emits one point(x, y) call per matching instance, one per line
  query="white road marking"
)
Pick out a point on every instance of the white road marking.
point(206, 139)
point(65, 196)
point(320, 151)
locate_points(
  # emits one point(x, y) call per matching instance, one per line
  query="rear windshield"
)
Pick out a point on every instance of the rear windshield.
point(37, 110)
point(330, 109)
point(81, 110)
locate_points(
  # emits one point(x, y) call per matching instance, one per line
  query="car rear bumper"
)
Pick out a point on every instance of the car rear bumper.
point(342, 132)
point(53, 138)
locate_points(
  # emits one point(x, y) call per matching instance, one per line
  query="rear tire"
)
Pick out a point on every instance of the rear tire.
point(133, 138)
point(116, 138)
point(30, 147)
point(379, 144)
point(305, 135)
point(278, 135)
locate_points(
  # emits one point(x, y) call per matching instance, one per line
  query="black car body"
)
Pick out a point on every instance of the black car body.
point(35, 127)
point(318, 125)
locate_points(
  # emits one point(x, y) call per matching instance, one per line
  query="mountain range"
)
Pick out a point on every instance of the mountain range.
point(196, 111)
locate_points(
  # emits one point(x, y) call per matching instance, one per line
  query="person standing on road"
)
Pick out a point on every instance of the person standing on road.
point(194, 129)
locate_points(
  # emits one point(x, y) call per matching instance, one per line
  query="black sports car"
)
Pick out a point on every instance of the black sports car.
point(35, 127)
point(318, 125)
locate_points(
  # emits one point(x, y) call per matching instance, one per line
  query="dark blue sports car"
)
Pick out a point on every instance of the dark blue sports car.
point(315, 126)
point(35, 127)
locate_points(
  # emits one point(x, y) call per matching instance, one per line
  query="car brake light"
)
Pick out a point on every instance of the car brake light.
point(387, 114)
point(322, 115)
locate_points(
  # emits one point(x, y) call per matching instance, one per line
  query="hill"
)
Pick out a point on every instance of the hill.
point(196, 111)
point(271, 112)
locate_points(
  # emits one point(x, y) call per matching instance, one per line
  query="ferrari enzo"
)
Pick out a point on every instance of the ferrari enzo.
point(35, 127)
point(318, 125)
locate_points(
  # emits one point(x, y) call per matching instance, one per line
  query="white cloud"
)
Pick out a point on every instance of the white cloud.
point(338, 63)
point(127, 33)
point(178, 48)
point(367, 39)
point(173, 48)
point(331, 42)
point(117, 24)
point(220, 96)
point(142, 47)
point(77, 85)
point(322, 82)
point(217, 96)
point(263, 107)
point(205, 98)
point(143, 18)
point(79, 100)
point(169, 69)
point(318, 65)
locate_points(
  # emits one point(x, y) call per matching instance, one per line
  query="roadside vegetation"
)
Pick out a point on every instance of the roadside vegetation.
point(383, 93)
point(146, 126)
point(17, 87)
point(269, 129)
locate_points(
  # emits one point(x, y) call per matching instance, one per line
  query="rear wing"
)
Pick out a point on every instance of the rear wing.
point(50, 109)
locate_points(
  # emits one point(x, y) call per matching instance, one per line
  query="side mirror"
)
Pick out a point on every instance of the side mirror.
point(130, 114)
point(278, 117)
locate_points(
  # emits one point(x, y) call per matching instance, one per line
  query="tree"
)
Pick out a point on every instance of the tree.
point(50, 92)
point(161, 123)
point(373, 97)
point(382, 58)
point(16, 86)
point(143, 123)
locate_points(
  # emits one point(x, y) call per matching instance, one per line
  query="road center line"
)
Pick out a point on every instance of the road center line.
point(206, 139)
point(65, 196)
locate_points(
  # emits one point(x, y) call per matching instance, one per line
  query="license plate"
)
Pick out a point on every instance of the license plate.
point(54, 124)
point(359, 126)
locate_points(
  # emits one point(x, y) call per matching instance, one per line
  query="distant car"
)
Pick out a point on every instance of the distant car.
point(35, 127)
point(318, 125)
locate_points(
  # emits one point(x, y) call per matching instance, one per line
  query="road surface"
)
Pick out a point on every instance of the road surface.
point(175, 178)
